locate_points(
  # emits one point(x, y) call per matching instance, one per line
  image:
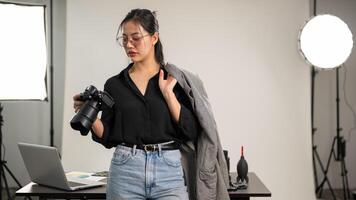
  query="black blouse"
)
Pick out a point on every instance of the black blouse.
point(144, 119)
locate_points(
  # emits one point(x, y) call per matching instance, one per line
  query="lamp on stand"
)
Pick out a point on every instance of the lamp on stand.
point(326, 42)
point(23, 64)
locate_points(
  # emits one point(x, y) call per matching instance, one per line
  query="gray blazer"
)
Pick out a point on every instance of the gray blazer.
point(204, 162)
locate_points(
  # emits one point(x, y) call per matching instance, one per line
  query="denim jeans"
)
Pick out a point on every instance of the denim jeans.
point(137, 174)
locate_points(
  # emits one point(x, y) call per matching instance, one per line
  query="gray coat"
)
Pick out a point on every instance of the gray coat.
point(204, 163)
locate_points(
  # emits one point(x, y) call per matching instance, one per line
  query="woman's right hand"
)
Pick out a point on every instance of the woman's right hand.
point(77, 103)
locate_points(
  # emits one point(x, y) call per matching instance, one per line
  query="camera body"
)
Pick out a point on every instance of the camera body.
point(95, 100)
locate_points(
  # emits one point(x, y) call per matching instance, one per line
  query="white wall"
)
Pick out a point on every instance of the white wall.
point(325, 104)
point(245, 52)
point(30, 121)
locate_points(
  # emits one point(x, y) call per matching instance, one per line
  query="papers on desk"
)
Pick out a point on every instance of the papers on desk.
point(84, 175)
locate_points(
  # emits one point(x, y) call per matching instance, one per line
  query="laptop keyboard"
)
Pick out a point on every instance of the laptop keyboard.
point(74, 184)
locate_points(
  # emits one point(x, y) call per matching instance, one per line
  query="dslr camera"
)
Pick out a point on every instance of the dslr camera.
point(95, 101)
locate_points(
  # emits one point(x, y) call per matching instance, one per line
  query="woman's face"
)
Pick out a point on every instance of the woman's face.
point(137, 42)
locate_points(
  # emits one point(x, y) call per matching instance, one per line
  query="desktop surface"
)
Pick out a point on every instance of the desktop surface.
point(33, 189)
point(255, 189)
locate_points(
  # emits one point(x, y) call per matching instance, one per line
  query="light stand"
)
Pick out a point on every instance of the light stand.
point(339, 154)
point(316, 156)
point(3, 165)
point(51, 77)
point(326, 42)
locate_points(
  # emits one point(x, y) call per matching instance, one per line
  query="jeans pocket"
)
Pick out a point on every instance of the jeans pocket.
point(172, 158)
point(121, 157)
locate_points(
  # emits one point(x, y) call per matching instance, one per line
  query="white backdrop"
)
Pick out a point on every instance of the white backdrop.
point(246, 54)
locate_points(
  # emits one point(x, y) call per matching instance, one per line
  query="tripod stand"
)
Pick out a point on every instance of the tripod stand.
point(338, 154)
point(341, 146)
point(316, 156)
point(3, 166)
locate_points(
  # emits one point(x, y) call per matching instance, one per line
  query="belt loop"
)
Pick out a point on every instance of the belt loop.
point(159, 150)
point(134, 151)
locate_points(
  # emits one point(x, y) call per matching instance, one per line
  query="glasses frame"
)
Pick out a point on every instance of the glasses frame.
point(135, 42)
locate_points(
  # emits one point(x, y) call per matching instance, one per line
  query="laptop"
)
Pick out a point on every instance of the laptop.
point(44, 166)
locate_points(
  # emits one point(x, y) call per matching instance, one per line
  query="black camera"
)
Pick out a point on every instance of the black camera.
point(95, 100)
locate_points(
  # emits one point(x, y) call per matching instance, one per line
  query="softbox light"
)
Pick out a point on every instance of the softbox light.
point(325, 41)
point(23, 54)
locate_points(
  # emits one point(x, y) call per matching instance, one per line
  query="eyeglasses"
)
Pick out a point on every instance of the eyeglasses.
point(135, 40)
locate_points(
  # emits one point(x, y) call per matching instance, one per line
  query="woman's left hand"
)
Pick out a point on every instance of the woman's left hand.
point(166, 86)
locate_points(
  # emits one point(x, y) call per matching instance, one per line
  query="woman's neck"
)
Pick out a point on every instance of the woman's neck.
point(149, 67)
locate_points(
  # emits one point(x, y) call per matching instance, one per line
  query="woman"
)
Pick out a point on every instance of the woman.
point(151, 117)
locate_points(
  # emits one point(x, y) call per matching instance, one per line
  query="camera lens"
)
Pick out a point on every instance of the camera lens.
point(86, 116)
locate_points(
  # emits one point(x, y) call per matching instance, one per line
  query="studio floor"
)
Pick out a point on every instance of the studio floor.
point(338, 193)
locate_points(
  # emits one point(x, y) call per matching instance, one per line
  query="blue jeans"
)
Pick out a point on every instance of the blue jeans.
point(137, 174)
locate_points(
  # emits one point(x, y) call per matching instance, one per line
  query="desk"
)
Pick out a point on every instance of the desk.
point(34, 190)
point(255, 189)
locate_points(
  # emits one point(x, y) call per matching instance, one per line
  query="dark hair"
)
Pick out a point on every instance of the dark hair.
point(148, 21)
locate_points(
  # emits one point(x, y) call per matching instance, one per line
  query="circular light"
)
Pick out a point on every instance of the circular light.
point(326, 41)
